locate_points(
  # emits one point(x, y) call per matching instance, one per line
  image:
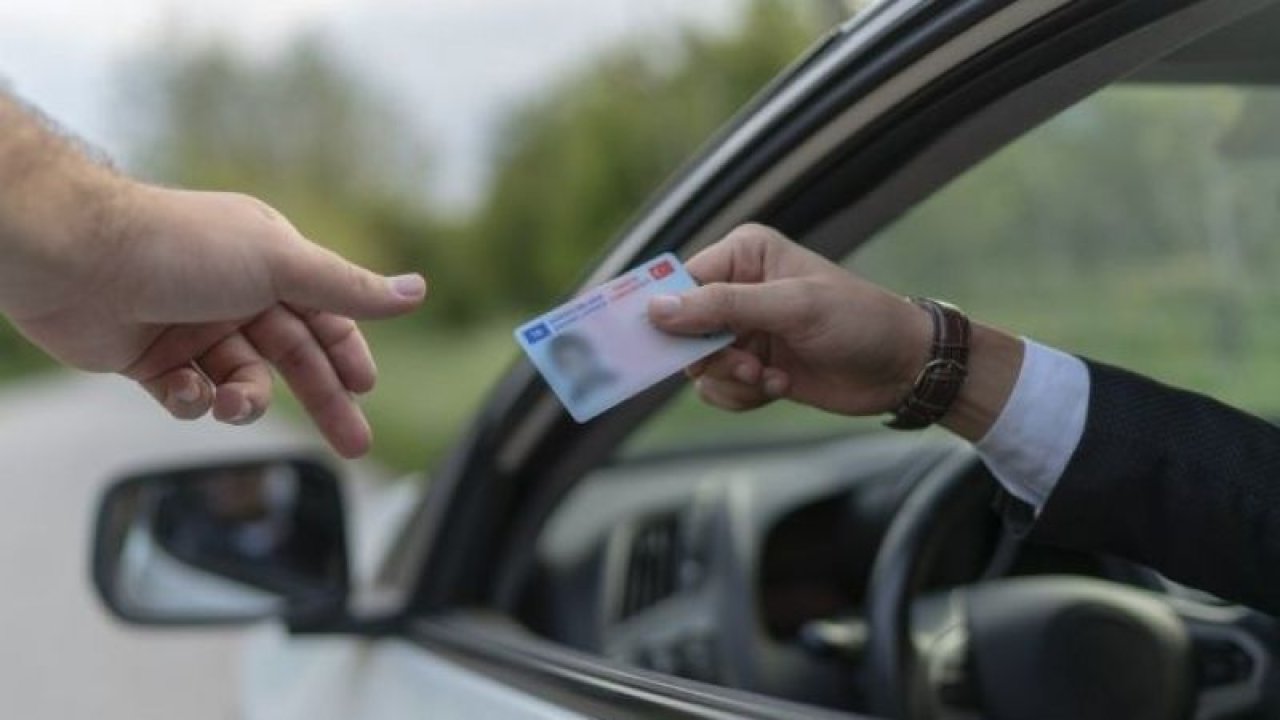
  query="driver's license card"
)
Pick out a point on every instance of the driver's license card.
point(600, 348)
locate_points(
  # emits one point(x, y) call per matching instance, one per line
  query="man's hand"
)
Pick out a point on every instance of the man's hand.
point(812, 332)
point(196, 295)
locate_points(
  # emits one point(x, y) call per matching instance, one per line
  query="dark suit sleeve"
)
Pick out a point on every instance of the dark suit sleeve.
point(1173, 480)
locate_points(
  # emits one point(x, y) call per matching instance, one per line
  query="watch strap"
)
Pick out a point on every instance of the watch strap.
point(939, 382)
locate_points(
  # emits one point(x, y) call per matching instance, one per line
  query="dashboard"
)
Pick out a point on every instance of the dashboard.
point(748, 567)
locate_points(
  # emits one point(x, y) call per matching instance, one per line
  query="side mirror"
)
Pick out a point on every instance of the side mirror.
point(223, 544)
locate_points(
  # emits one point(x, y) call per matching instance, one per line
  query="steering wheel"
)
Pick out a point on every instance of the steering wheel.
point(1037, 647)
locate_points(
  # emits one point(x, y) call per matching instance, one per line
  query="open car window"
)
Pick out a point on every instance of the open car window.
point(1133, 227)
point(1137, 228)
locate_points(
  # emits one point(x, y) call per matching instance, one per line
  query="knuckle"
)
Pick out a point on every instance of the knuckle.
point(256, 375)
point(705, 394)
point(261, 208)
point(330, 405)
point(721, 299)
point(295, 356)
point(807, 299)
point(749, 232)
point(756, 236)
point(719, 368)
point(341, 335)
point(281, 338)
point(725, 395)
point(362, 281)
point(330, 329)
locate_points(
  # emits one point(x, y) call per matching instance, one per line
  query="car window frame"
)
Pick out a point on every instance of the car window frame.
point(1006, 116)
point(1100, 42)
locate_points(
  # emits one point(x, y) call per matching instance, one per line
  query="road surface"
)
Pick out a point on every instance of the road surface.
point(62, 437)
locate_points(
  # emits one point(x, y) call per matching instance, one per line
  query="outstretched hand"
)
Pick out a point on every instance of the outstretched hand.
point(197, 295)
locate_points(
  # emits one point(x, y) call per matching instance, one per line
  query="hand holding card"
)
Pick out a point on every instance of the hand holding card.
point(600, 349)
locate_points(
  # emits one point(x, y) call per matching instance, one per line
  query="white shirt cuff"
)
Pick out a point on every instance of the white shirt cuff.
point(1030, 444)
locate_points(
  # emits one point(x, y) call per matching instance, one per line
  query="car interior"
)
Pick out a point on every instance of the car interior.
point(755, 551)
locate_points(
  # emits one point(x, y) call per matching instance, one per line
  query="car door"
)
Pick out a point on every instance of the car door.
point(884, 111)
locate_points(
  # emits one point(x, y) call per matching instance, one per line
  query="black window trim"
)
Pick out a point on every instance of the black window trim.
point(580, 682)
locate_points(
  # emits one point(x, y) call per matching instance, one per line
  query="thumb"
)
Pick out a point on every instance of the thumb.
point(741, 308)
point(319, 279)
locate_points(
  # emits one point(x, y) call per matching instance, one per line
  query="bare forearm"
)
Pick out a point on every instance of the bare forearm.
point(55, 205)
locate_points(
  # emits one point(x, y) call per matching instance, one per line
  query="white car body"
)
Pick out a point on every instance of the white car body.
point(336, 678)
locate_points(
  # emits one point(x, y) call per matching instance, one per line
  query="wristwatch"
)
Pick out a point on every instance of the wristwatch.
point(938, 384)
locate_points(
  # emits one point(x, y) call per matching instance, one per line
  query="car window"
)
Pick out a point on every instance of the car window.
point(1138, 228)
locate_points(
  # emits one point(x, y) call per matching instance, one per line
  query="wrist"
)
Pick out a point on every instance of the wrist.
point(57, 222)
point(942, 375)
point(995, 359)
point(56, 200)
point(916, 347)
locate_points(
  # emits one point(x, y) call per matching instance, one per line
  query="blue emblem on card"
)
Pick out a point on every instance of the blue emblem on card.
point(536, 333)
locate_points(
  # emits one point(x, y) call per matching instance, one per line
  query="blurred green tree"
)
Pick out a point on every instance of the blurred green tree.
point(1133, 174)
point(301, 131)
point(575, 162)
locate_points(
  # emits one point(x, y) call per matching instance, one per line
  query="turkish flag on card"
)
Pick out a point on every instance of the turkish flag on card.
point(661, 270)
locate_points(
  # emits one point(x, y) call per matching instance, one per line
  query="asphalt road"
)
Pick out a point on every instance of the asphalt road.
point(61, 439)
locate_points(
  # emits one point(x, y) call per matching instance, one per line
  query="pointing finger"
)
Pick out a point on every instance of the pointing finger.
point(288, 344)
point(310, 276)
point(346, 347)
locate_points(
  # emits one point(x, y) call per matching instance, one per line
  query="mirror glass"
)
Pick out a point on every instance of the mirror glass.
point(222, 543)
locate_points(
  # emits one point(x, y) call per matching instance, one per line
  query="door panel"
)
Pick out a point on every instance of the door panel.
point(343, 678)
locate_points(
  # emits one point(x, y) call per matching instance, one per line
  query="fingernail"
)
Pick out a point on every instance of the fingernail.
point(411, 286)
point(743, 374)
point(775, 385)
point(246, 409)
point(187, 393)
point(664, 305)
